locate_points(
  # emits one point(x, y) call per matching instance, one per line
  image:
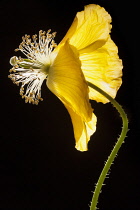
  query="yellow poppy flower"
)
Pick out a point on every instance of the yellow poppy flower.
point(86, 53)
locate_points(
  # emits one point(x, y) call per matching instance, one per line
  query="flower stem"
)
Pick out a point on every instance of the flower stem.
point(115, 149)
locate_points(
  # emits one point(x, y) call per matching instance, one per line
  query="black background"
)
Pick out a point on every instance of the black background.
point(39, 166)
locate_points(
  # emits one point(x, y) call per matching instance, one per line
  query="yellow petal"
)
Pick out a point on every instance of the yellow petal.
point(82, 130)
point(89, 26)
point(67, 82)
point(103, 68)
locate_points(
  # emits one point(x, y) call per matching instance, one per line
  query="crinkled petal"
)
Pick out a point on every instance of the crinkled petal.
point(82, 130)
point(103, 68)
point(67, 82)
point(89, 26)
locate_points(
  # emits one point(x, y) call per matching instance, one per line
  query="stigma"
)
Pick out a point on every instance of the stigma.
point(33, 70)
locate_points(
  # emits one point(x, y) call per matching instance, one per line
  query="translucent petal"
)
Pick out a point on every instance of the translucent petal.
point(89, 26)
point(67, 82)
point(82, 130)
point(103, 68)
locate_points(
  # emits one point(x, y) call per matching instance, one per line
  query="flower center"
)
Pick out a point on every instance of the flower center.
point(33, 70)
point(45, 69)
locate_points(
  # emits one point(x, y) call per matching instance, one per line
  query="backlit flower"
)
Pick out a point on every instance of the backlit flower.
point(86, 53)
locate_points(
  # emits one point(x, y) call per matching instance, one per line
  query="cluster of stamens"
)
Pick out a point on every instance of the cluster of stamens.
point(37, 50)
point(29, 71)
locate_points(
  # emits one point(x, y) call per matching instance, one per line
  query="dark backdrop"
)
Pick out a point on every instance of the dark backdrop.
point(39, 166)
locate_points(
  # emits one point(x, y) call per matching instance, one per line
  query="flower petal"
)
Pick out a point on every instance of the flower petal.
point(89, 26)
point(82, 130)
point(67, 82)
point(103, 68)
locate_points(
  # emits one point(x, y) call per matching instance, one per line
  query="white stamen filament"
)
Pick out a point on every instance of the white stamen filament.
point(31, 72)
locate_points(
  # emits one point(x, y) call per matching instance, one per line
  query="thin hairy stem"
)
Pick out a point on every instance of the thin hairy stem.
point(115, 149)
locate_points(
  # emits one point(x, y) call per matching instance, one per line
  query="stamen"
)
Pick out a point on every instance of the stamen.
point(31, 72)
point(33, 80)
point(37, 51)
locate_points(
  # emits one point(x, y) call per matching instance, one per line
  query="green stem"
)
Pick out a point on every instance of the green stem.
point(115, 149)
